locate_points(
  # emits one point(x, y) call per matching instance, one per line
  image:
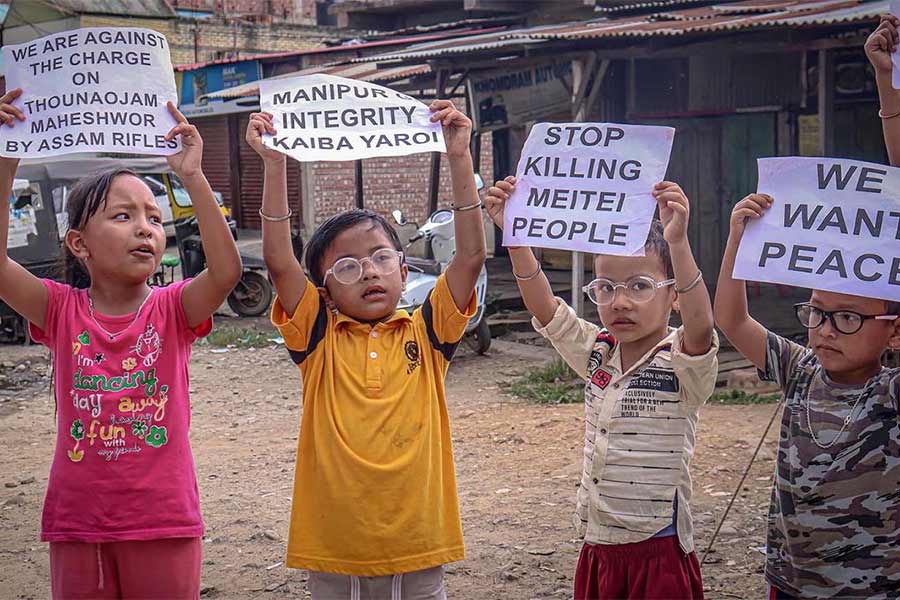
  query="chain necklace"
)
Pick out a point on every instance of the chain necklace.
point(847, 420)
point(113, 336)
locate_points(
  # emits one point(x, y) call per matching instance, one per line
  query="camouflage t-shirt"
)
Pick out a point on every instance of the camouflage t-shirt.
point(834, 519)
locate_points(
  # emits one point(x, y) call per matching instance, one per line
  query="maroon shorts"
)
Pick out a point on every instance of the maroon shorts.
point(653, 569)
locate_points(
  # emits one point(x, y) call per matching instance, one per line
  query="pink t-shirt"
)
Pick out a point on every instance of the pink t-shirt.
point(123, 467)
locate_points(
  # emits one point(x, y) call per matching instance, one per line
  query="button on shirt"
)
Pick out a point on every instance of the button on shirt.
point(640, 428)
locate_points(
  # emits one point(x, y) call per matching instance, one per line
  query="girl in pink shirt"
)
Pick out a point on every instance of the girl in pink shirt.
point(122, 511)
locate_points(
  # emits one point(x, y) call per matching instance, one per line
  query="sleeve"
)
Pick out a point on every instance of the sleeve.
point(573, 338)
point(894, 389)
point(782, 356)
point(59, 296)
point(696, 374)
point(305, 329)
point(444, 323)
point(175, 306)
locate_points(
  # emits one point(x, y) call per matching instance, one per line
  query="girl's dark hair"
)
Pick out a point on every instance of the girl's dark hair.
point(326, 233)
point(85, 198)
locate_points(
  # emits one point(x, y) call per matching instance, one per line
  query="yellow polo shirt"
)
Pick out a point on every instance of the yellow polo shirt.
point(375, 486)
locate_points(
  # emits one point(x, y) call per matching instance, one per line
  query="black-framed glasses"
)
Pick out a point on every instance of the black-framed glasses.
point(847, 322)
point(638, 289)
point(349, 270)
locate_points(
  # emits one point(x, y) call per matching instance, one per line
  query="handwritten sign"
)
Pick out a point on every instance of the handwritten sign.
point(91, 90)
point(834, 226)
point(587, 187)
point(323, 117)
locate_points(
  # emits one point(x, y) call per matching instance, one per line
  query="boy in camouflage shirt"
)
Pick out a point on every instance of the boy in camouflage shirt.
point(834, 518)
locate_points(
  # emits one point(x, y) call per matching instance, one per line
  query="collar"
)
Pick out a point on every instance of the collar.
point(663, 345)
point(398, 317)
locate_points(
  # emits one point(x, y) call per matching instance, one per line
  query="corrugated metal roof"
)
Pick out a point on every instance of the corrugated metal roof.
point(361, 71)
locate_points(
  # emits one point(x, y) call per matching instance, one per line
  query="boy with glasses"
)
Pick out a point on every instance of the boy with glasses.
point(644, 385)
point(375, 512)
point(834, 517)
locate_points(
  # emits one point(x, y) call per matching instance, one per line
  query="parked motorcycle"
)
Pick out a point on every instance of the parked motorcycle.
point(440, 243)
point(252, 295)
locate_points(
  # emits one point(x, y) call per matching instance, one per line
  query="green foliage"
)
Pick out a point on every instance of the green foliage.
point(741, 397)
point(233, 337)
point(555, 383)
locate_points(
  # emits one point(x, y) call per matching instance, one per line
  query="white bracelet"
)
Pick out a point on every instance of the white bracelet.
point(692, 284)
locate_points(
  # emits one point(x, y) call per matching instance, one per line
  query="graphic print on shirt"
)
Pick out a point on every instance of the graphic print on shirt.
point(412, 354)
point(118, 414)
point(602, 347)
point(648, 390)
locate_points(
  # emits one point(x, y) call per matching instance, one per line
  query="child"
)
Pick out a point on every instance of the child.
point(644, 385)
point(834, 517)
point(879, 47)
point(122, 512)
point(375, 512)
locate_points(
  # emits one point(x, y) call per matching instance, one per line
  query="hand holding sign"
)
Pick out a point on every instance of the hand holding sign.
point(261, 124)
point(186, 163)
point(457, 127)
point(9, 114)
point(495, 200)
point(674, 211)
point(883, 43)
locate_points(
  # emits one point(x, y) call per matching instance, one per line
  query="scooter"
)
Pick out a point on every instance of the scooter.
point(440, 243)
point(252, 295)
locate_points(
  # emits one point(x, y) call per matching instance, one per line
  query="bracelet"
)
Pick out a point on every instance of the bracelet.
point(478, 204)
point(266, 217)
point(530, 277)
point(890, 116)
point(692, 284)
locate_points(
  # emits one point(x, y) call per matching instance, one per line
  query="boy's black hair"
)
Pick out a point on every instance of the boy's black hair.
point(86, 197)
point(657, 244)
point(326, 233)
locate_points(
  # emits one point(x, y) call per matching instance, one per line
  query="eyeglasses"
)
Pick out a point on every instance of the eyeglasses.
point(639, 289)
point(349, 270)
point(847, 322)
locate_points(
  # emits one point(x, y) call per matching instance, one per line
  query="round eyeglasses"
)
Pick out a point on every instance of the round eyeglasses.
point(639, 289)
point(847, 322)
point(349, 270)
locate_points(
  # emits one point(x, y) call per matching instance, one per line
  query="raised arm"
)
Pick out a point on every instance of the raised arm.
point(283, 266)
point(732, 314)
point(879, 47)
point(462, 274)
point(693, 297)
point(533, 284)
point(206, 292)
point(21, 290)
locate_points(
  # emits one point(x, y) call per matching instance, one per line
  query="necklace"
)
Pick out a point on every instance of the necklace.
point(110, 335)
point(847, 420)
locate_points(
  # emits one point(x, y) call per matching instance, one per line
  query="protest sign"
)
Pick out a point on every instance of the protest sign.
point(98, 89)
point(587, 187)
point(323, 117)
point(834, 226)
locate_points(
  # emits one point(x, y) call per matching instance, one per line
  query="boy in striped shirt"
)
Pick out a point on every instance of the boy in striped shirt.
point(644, 385)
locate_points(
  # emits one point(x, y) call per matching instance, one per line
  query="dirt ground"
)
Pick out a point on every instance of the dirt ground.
point(517, 463)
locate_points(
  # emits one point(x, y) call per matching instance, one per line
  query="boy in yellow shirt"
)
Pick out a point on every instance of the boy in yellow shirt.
point(375, 511)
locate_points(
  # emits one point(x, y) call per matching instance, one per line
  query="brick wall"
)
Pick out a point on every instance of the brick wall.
point(217, 36)
point(388, 183)
point(291, 10)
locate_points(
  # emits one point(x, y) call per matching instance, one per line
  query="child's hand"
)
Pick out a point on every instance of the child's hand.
point(751, 207)
point(186, 163)
point(495, 200)
point(674, 211)
point(457, 126)
point(882, 43)
point(261, 123)
point(8, 116)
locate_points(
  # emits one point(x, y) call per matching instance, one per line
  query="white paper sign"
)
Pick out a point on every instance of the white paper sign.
point(587, 187)
point(323, 117)
point(834, 226)
point(98, 89)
